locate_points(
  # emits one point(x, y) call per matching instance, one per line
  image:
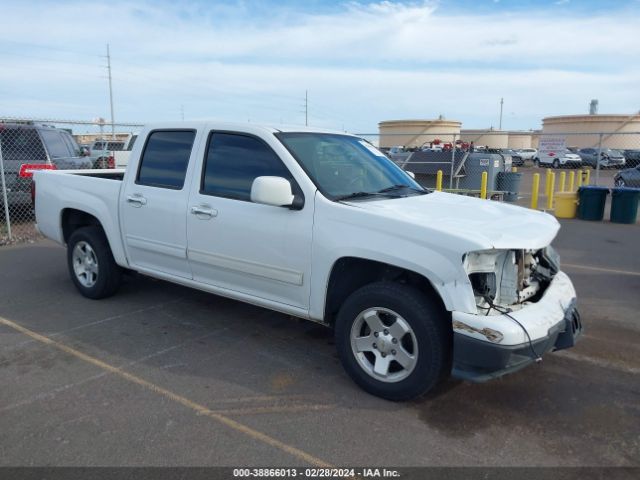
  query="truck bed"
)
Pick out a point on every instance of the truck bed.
point(95, 192)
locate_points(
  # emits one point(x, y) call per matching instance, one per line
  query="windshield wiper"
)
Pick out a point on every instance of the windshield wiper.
point(360, 195)
point(399, 187)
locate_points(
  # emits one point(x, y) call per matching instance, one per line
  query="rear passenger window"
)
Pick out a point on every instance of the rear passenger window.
point(55, 144)
point(233, 161)
point(71, 144)
point(165, 159)
point(21, 144)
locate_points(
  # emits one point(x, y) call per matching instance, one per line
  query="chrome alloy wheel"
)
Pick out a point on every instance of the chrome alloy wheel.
point(85, 264)
point(384, 344)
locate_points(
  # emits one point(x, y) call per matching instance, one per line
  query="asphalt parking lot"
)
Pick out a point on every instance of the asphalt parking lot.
point(163, 375)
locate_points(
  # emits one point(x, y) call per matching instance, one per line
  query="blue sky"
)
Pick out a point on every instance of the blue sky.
point(362, 62)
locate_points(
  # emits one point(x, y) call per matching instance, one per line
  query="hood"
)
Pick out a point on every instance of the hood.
point(485, 223)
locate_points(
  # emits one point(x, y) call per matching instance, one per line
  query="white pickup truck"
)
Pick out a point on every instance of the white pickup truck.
point(418, 285)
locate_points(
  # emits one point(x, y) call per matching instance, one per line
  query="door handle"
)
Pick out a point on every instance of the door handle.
point(203, 211)
point(136, 200)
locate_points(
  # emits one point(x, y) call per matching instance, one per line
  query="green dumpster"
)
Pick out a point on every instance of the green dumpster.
point(624, 205)
point(591, 202)
point(509, 182)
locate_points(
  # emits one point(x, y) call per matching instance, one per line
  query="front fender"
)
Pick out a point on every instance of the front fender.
point(339, 236)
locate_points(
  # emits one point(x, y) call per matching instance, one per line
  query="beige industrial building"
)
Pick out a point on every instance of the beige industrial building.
point(86, 138)
point(582, 131)
point(518, 140)
point(416, 133)
point(487, 137)
point(618, 131)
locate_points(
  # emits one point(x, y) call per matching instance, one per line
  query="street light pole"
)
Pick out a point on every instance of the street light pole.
point(113, 134)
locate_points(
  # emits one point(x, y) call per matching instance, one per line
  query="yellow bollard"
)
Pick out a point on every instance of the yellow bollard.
point(534, 191)
point(587, 181)
point(552, 186)
point(572, 180)
point(547, 180)
point(514, 169)
point(439, 181)
point(563, 181)
point(579, 179)
point(483, 185)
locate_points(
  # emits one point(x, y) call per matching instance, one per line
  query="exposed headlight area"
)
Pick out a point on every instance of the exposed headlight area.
point(510, 278)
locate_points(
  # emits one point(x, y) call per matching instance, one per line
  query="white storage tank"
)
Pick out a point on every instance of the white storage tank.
point(582, 131)
point(416, 133)
point(487, 137)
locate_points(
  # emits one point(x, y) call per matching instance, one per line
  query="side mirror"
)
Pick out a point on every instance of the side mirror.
point(274, 191)
point(411, 174)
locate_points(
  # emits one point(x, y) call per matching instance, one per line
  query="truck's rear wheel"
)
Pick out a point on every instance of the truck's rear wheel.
point(393, 340)
point(91, 265)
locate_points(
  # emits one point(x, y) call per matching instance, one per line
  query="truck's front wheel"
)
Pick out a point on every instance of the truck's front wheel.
point(91, 265)
point(393, 340)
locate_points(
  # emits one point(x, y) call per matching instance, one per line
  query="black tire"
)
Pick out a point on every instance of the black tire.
point(108, 275)
point(536, 162)
point(431, 326)
point(556, 164)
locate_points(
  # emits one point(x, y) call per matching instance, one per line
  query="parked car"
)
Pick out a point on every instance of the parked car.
point(525, 154)
point(121, 157)
point(631, 157)
point(27, 147)
point(102, 151)
point(629, 177)
point(608, 157)
point(417, 284)
point(511, 157)
point(396, 149)
point(562, 158)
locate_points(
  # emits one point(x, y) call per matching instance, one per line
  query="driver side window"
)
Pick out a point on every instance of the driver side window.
point(232, 163)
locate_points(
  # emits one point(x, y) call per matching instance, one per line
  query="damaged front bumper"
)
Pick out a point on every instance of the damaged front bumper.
point(489, 346)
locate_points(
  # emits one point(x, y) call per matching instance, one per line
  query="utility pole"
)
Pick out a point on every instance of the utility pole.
point(113, 127)
point(306, 107)
point(501, 103)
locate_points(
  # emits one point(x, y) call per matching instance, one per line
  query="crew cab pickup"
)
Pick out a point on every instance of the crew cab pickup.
point(417, 284)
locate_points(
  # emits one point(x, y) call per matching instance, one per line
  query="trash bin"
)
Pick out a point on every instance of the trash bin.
point(624, 205)
point(591, 203)
point(475, 164)
point(566, 204)
point(509, 182)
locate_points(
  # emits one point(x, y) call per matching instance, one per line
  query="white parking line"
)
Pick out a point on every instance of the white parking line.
point(197, 408)
point(600, 269)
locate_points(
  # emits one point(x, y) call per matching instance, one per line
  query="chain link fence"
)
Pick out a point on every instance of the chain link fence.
point(511, 160)
point(451, 161)
point(27, 145)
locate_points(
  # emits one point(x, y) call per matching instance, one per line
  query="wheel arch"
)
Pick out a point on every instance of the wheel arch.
point(71, 219)
point(349, 273)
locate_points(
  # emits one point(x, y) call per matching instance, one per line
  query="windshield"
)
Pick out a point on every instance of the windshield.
point(345, 166)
